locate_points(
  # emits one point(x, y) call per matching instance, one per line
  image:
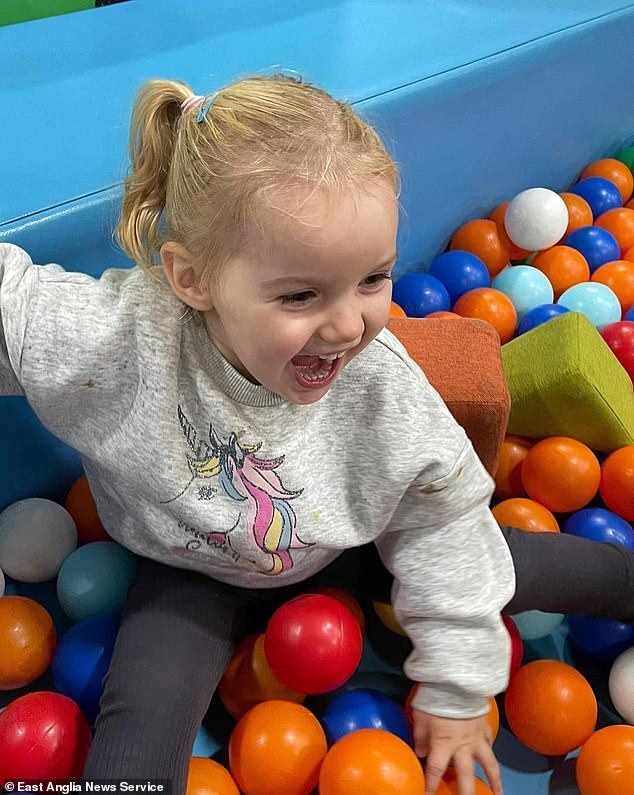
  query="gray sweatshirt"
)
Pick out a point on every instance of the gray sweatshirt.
point(194, 466)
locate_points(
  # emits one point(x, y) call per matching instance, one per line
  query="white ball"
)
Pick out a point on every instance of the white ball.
point(621, 685)
point(36, 536)
point(2, 583)
point(536, 219)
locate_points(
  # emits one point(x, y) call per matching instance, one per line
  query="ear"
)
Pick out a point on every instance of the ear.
point(184, 277)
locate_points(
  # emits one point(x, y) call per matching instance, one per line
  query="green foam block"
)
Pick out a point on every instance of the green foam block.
point(565, 381)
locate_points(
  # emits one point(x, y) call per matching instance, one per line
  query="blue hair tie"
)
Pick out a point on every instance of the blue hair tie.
point(204, 108)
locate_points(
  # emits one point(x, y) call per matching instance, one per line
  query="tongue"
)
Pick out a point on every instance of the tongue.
point(306, 361)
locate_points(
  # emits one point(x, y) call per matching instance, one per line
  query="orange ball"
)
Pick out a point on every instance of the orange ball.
point(525, 514)
point(486, 303)
point(617, 482)
point(550, 707)
point(579, 212)
point(345, 598)
point(248, 679)
point(515, 252)
point(561, 473)
point(396, 310)
point(27, 641)
point(629, 254)
point(207, 777)
point(605, 765)
point(493, 715)
point(80, 504)
point(446, 315)
point(563, 266)
point(508, 475)
point(371, 762)
point(614, 170)
point(619, 277)
point(620, 222)
point(277, 746)
point(449, 785)
point(482, 238)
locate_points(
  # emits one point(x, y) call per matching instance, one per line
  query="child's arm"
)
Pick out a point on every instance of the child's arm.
point(15, 289)
point(453, 575)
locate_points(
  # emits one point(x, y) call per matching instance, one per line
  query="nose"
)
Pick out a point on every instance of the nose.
point(343, 325)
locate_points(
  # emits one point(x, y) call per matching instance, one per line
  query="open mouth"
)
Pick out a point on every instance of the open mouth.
point(313, 372)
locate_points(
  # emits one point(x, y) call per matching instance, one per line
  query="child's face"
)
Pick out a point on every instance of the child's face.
point(310, 286)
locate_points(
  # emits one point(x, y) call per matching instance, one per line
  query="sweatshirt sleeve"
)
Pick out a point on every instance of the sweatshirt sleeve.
point(16, 288)
point(453, 574)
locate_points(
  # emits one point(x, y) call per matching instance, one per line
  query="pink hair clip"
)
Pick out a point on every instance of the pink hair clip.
point(191, 102)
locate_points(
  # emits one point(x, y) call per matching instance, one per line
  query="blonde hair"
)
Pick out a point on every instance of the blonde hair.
point(202, 183)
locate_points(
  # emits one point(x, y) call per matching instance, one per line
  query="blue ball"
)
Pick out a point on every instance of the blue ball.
point(94, 580)
point(364, 709)
point(601, 194)
point(81, 660)
point(419, 294)
point(629, 315)
point(540, 314)
point(601, 638)
point(599, 524)
point(527, 287)
point(460, 271)
point(597, 245)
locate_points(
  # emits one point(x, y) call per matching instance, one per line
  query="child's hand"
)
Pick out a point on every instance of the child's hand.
point(461, 742)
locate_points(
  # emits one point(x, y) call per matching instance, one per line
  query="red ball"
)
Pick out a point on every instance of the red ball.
point(620, 338)
point(313, 643)
point(43, 736)
point(517, 645)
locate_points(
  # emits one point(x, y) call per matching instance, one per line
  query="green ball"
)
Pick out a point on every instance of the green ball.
point(627, 156)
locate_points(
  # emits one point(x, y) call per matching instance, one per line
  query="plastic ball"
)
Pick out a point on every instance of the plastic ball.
point(596, 301)
point(95, 579)
point(579, 212)
point(621, 684)
point(597, 245)
point(620, 339)
point(492, 306)
point(385, 612)
point(418, 294)
point(277, 746)
point(508, 474)
point(36, 536)
point(563, 266)
point(617, 482)
point(601, 194)
point(527, 288)
point(629, 315)
point(620, 223)
point(396, 311)
point(449, 785)
point(535, 624)
point(2, 583)
point(626, 156)
point(82, 659)
point(346, 598)
point(482, 238)
point(601, 638)
point(206, 777)
point(517, 646)
point(525, 514)
point(27, 641)
point(248, 680)
point(599, 524)
point(561, 473)
point(550, 707)
point(615, 172)
point(498, 215)
point(371, 762)
point(313, 643)
point(619, 277)
point(536, 219)
point(80, 504)
point(539, 315)
point(445, 315)
point(43, 736)
point(364, 709)
point(460, 271)
point(605, 765)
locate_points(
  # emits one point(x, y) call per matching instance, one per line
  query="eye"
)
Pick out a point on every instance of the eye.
point(297, 298)
point(377, 279)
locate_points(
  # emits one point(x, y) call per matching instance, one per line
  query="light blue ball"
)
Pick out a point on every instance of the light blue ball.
point(594, 300)
point(527, 287)
point(94, 580)
point(534, 624)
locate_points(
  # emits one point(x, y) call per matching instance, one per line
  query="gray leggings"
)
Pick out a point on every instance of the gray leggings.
point(179, 629)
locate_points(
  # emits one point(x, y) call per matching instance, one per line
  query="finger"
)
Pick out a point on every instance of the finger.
point(465, 777)
point(435, 767)
point(490, 765)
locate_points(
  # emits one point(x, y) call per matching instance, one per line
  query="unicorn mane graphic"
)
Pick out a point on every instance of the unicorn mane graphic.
point(246, 478)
